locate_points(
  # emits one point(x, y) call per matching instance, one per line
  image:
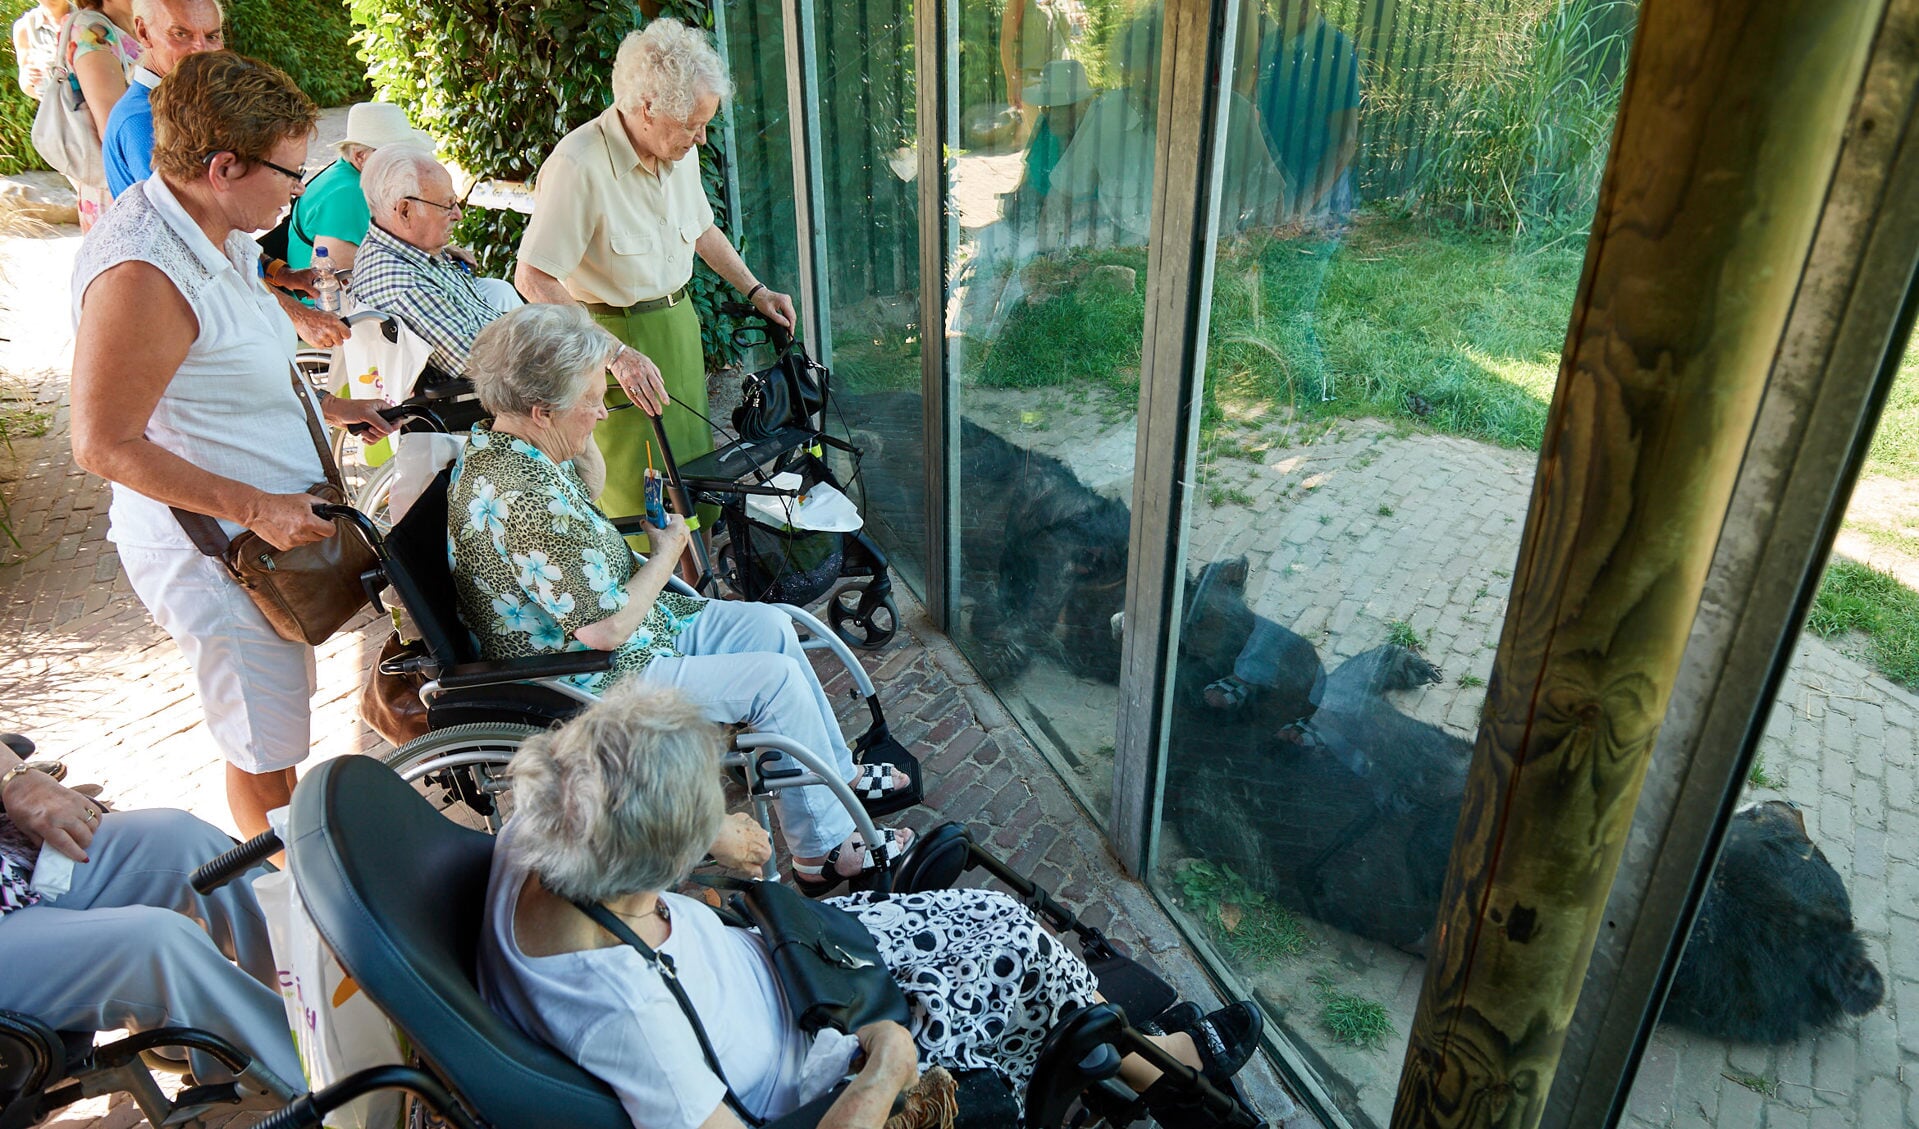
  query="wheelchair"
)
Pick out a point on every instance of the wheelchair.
point(408, 937)
point(479, 712)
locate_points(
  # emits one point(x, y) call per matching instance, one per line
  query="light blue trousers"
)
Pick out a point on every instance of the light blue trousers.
point(131, 945)
point(744, 664)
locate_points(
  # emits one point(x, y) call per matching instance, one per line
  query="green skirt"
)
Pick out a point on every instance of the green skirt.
point(670, 337)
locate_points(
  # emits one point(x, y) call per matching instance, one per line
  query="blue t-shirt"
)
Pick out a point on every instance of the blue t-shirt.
point(128, 148)
point(1303, 82)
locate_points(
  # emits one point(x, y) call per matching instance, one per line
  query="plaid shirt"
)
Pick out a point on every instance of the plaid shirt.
point(433, 294)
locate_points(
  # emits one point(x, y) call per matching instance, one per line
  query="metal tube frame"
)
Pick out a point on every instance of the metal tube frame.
point(803, 125)
point(935, 61)
point(1196, 45)
point(1830, 378)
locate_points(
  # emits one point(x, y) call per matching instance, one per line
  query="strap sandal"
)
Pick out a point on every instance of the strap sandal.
point(1179, 1017)
point(817, 881)
point(877, 782)
point(1228, 693)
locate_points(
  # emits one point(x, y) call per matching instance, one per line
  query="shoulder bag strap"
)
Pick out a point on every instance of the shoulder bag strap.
point(607, 920)
point(205, 533)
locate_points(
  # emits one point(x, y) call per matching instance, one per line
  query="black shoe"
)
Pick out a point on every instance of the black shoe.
point(1179, 1017)
point(1226, 1039)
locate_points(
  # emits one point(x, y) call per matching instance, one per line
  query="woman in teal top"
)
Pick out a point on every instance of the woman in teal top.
point(332, 213)
point(538, 569)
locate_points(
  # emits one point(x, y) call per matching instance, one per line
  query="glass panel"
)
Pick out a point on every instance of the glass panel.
point(1798, 996)
point(1378, 372)
point(1052, 192)
point(868, 138)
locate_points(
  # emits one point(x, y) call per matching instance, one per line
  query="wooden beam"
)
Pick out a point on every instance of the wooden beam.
point(1728, 134)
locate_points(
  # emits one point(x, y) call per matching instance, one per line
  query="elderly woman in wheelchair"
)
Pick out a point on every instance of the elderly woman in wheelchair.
point(538, 569)
point(614, 808)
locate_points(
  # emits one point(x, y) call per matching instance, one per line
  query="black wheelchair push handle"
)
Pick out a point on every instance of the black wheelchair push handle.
point(777, 335)
point(309, 1111)
point(398, 412)
point(213, 875)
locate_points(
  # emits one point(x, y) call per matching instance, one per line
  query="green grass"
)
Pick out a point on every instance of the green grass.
point(1403, 634)
point(1857, 598)
point(1439, 328)
point(1895, 446)
point(1471, 681)
point(1757, 775)
point(1245, 921)
point(1353, 1020)
point(1757, 1083)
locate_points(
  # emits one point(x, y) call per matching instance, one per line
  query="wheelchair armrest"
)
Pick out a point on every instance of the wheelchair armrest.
point(468, 675)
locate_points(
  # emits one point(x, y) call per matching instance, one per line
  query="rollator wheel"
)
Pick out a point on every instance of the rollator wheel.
point(461, 770)
point(869, 632)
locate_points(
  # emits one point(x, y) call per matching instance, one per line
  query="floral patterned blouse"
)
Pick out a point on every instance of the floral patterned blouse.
point(534, 561)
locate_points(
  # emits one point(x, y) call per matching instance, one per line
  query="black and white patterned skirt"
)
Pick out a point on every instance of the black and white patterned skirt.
point(984, 981)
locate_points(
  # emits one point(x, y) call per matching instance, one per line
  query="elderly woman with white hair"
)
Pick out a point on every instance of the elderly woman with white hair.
point(613, 809)
point(619, 214)
point(539, 569)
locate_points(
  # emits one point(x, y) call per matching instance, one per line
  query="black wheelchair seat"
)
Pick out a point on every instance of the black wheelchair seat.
point(408, 935)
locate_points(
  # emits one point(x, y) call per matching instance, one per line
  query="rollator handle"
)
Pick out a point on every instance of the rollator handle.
point(398, 412)
point(213, 875)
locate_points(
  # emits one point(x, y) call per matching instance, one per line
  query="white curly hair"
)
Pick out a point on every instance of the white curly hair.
point(667, 68)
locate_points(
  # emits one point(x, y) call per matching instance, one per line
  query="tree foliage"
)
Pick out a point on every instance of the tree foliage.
point(499, 84)
point(311, 40)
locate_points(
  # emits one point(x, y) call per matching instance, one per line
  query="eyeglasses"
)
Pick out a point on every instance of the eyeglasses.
point(291, 174)
point(449, 208)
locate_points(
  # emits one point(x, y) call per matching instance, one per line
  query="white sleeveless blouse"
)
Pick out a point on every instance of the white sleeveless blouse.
point(230, 409)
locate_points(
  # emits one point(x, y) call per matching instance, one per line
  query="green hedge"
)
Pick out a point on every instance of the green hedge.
point(502, 83)
point(311, 40)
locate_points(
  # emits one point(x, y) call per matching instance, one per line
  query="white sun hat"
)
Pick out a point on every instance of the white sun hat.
point(374, 124)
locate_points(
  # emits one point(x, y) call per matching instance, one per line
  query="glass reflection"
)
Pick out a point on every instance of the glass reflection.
point(1380, 360)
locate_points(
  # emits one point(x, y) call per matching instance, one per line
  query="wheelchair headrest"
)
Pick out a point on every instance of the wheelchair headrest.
point(416, 567)
point(398, 892)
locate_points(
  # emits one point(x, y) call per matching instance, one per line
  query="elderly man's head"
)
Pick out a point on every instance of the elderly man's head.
point(411, 196)
point(623, 799)
point(668, 82)
point(170, 30)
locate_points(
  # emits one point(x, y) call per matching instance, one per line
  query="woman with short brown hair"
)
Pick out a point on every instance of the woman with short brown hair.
point(207, 415)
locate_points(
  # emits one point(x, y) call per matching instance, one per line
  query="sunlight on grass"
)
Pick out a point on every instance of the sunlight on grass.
point(1854, 597)
point(1895, 446)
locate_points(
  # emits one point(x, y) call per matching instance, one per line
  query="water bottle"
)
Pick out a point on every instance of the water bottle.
point(326, 284)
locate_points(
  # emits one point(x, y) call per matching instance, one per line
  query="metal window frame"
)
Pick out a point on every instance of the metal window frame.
point(1196, 48)
point(1830, 378)
point(800, 36)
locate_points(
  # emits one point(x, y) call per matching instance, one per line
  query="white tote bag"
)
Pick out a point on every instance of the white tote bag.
point(63, 126)
point(336, 1029)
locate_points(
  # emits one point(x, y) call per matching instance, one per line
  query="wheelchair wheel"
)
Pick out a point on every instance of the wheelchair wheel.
point(461, 770)
point(872, 630)
point(352, 463)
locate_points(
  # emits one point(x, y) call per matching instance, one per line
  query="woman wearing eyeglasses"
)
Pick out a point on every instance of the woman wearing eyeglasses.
point(619, 214)
point(206, 415)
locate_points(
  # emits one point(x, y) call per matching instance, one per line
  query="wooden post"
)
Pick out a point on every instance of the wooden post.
point(1728, 133)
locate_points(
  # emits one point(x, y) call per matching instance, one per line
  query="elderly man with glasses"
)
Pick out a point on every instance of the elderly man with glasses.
point(404, 267)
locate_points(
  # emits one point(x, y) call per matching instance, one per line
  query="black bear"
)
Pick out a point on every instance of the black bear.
point(1349, 817)
point(1773, 953)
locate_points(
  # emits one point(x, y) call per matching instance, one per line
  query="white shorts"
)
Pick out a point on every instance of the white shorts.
point(255, 687)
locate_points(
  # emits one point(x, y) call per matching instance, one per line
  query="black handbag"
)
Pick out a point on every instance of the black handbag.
point(826, 963)
point(825, 960)
point(790, 392)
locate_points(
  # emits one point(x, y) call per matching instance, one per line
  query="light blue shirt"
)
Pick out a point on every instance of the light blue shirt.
point(128, 147)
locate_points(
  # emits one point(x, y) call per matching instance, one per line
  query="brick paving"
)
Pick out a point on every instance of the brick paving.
point(1353, 526)
point(85, 672)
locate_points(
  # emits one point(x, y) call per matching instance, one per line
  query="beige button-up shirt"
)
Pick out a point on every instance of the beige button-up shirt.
point(607, 228)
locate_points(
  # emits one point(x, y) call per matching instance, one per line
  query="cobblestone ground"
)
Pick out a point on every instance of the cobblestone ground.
point(1352, 528)
point(87, 674)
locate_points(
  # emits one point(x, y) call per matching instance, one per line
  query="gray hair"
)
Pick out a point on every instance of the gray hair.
point(539, 355)
point(623, 799)
point(149, 10)
point(393, 173)
point(668, 67)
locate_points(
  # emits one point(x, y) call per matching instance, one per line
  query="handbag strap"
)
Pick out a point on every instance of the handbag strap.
point(206, 534)
point(607, 920)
